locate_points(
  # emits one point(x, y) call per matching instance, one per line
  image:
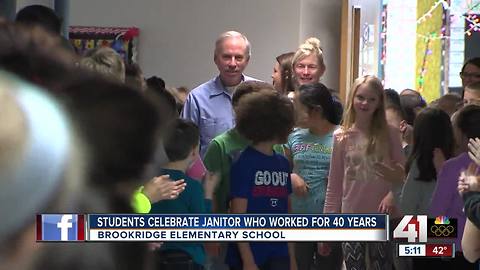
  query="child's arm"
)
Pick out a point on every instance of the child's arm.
point(163, 188)
point(288, 154)
point(157, 189)
point(333, 197)
point(394, 174)
point(210, 182)
point(299, 186)
point(393, 171)
point(239, 206)
point(470, 195)
point(471, 242)
point(387, 205)
point(213, 162)
point(469, 180)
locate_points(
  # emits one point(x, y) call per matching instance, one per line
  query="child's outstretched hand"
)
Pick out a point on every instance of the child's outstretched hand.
point(474, 150)
point(163, 188)
point(469, 180)
point(210, 182)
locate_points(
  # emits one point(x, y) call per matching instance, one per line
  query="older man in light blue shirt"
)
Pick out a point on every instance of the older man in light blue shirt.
point(210, 104)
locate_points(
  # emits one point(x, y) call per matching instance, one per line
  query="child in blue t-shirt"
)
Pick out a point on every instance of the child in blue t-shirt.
point(309, 149)
point(260, 178)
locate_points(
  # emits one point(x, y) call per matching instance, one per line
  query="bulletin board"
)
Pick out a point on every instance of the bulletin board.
point(124, 40)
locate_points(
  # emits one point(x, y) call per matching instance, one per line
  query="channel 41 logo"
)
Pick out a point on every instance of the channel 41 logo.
point(60, 227)
point(420, 228)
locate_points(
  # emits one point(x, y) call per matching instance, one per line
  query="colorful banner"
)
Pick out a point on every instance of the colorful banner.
point(122, 39)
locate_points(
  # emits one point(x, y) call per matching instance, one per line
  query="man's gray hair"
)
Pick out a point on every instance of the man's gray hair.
point(233, 34)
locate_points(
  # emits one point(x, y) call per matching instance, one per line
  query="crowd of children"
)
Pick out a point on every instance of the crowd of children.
point(117, 145)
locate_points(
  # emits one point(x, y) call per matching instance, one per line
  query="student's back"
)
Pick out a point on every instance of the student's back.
point(260, 178)
point(190, 201)
point(181, 147)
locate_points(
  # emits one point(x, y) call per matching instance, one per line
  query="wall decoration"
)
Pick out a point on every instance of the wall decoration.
point(429, 50)
point(124, 40)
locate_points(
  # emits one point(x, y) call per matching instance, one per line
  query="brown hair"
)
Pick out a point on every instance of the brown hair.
point(264, 116)
point(286, 72)
point(472, 61)
point(247, 88)
point(35, 55)
point(449, 103)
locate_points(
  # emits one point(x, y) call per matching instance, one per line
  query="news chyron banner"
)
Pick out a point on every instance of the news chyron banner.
point(247, 227)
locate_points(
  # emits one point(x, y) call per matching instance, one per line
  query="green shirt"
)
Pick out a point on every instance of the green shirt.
point(221, 153)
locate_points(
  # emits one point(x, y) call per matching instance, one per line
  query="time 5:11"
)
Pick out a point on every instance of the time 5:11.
point(411, 250)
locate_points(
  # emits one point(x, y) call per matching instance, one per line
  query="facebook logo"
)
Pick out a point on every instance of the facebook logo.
point(58, 227)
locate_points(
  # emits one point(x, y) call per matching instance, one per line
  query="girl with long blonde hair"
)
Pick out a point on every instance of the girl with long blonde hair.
point(363, 144)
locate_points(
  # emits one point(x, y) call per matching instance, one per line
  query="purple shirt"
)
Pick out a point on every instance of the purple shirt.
point(209, 106)
point(445, 200)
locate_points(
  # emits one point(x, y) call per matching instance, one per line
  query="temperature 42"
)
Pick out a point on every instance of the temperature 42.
point(440, 250)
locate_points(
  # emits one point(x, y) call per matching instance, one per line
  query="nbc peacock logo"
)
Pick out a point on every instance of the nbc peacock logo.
point(442, 227)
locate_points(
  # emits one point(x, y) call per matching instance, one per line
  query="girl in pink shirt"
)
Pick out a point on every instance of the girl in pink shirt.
point(362, 144)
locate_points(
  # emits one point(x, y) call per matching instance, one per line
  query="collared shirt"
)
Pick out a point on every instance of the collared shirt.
point(209, 106)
